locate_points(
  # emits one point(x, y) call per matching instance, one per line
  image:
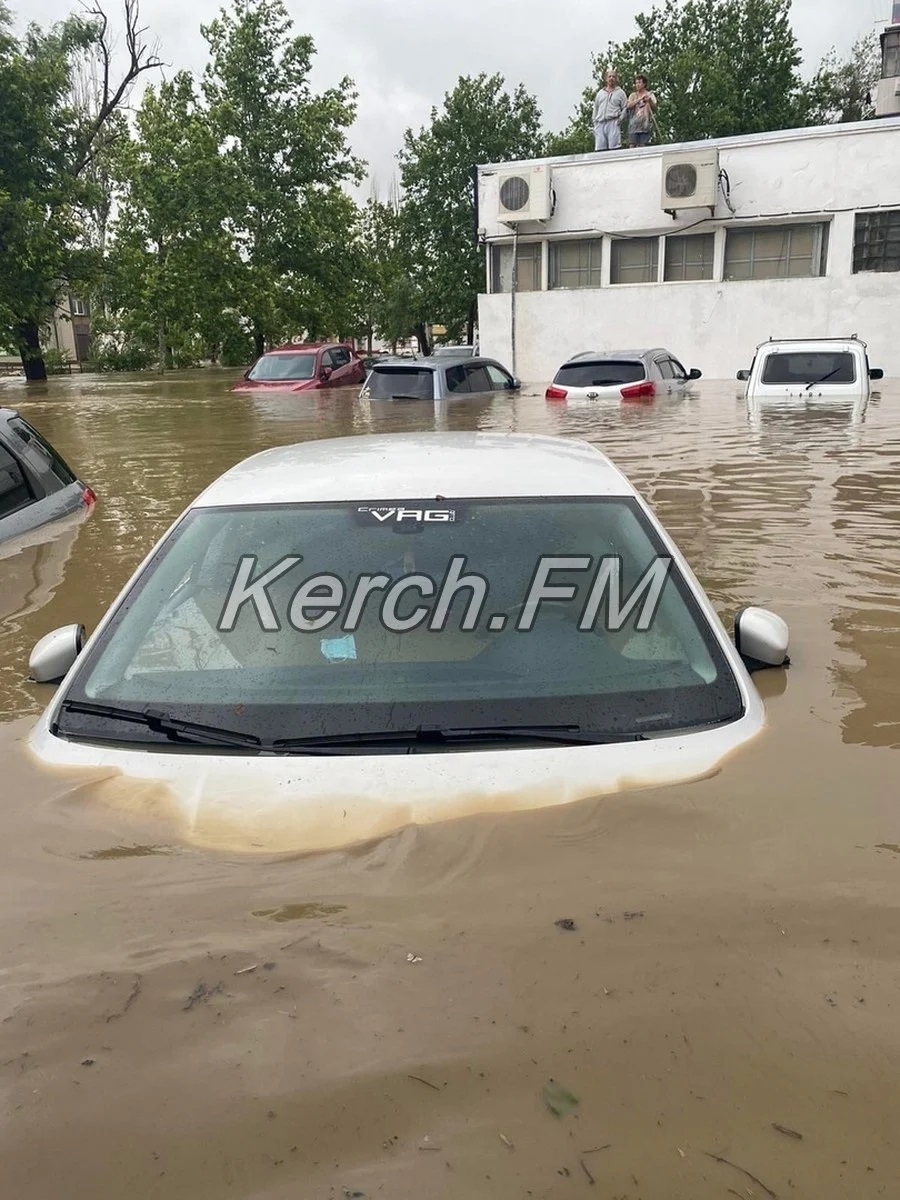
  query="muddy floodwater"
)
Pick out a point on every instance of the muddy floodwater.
point(687, 992)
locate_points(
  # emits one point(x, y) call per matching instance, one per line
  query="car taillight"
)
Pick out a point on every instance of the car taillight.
point(89, 496)
point(639, 391)
point(555, 393)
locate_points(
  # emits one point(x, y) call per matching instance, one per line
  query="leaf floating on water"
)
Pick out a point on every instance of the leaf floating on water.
point(558, 1100)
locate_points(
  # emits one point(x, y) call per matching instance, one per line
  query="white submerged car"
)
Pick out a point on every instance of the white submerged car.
point(810, 369)
point(358, 634)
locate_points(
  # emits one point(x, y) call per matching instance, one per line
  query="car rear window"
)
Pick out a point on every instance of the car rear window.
point(40, 455)
point(399, 382)
point(604, 372)
point(14, 491)
point(816, 366)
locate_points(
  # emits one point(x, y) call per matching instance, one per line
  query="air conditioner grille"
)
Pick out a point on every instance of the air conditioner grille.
point(515, 193)
point(681, 180)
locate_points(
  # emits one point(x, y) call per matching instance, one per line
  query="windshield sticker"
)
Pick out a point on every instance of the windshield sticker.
point(415, 515)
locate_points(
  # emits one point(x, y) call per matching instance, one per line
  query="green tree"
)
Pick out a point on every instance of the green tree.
point(480, 123)
point(47, 143)
point(286, 152)
point(719, 68)
point(171, 260)
point(844, 90)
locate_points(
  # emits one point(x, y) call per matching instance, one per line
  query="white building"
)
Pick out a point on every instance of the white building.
point(706, 248)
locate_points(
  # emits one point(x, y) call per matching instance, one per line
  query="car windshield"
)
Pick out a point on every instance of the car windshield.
point(384, 383)
point(303, 621)
point(816, 366)
point(273, 367)
point(600, 373)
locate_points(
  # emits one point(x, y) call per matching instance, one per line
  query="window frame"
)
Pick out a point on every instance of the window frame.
point(865, 230)
point(652, 241)
point(592, 270)
point(821, 247)
point(709, 237)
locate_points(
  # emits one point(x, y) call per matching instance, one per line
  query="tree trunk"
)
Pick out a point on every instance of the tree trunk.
point(29, 342)
point(258, 343)
point(470, 324)
point(161, 347)
point(422, 337)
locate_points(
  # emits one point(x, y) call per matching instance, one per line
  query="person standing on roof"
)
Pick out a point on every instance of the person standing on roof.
point(641, 107)
point(609, 108)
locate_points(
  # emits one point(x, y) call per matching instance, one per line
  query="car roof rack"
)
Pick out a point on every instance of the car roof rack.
point(853, 337)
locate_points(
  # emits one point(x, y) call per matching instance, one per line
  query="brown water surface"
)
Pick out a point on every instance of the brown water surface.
point(721, 997)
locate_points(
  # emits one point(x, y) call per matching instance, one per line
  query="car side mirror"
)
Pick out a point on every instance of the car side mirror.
point(761, 638)
point(876, 373)
point(694, 373)
point(325, 373)
point(743, 375)
point(55, 653)
point(515, 385)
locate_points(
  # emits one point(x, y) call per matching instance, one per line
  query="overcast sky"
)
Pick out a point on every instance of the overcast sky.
point(406, 55)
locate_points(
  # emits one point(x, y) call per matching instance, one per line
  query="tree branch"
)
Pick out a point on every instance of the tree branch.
point(140, 59)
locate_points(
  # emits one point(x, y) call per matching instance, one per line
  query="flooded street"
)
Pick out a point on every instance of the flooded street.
point(711, 970)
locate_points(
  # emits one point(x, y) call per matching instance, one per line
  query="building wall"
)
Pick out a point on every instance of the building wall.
point(792, 177)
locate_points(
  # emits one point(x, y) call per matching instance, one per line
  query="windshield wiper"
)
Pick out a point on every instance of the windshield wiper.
point(436, 735)
point(404, 396)
point(160, 722)
point(813, 382)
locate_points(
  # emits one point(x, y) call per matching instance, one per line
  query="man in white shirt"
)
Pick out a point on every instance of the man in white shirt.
point(609, 108)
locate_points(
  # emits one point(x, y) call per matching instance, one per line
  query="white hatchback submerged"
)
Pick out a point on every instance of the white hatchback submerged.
point(348, 636)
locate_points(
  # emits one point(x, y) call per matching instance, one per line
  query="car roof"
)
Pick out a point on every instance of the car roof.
point(600, 355)
point(413, 466)
point(302, 348)
point(439, 363)
point(777, 344)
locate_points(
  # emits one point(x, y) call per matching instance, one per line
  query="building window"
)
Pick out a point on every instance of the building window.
point(575, 264)
point(634, 260)
point(890, 55)
point(528, 268)
point(876, 244)
point(690, 257)
point(78, 307)
point(776, 252)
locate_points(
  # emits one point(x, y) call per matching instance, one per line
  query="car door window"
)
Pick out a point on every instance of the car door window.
point(456, 379)
point(340, 357)
point(665, 368)
point(14, 490)
point(478, 379)
point(499, 378)
point(677, 369)
point(39, 454)
point(327, 360)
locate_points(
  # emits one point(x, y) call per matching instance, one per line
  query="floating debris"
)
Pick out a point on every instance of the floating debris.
point(558, 1100)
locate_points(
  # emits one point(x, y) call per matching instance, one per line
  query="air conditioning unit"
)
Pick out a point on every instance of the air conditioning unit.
point(690, 179)
point(524, 195)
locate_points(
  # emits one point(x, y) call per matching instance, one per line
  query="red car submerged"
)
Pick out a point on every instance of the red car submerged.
point(304, 367)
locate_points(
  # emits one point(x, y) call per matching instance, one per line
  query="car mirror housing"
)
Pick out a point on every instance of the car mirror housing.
point(743, 375)
point(695, 373)
point(761, 638)
point(876, 373)
point(54, 654)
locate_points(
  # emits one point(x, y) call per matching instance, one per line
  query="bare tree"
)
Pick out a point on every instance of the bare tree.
point(109, 96)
